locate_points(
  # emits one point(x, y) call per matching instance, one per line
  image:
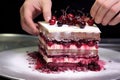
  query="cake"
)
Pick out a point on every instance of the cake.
point(66, 44)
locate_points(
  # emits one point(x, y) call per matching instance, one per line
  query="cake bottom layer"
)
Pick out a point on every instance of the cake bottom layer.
point(93, 66)
point(79, 64)
point(71, 63)
point(42, 66)
point(67, 59)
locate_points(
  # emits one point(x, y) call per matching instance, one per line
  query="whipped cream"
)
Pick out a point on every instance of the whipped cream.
point(69, 28)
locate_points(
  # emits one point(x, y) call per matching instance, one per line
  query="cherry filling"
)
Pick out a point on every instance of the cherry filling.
point(67, 43)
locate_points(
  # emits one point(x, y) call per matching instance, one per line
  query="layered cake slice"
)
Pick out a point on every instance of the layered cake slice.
point(69, 46)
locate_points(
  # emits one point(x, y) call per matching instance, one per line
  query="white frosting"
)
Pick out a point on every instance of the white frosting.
point(68, 29)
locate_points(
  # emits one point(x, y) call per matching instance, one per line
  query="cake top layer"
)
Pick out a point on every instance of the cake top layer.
point(68, 28)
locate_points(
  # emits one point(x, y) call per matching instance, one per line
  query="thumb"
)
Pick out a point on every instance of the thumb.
point(47, 11)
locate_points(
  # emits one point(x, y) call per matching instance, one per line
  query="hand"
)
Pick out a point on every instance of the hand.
point(31, 9)
point(106, 12)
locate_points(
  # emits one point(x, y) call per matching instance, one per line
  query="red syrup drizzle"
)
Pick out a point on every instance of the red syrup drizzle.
point(36, 60)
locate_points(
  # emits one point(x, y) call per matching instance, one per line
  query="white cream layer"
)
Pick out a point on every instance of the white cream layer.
point(67, 28)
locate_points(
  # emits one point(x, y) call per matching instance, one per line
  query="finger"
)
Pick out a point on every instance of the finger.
point(47, 11)
point(111, 13)
point(95, 7)
point(103, 10)
point(26, 21)
point(116, 20)
point(28, 30)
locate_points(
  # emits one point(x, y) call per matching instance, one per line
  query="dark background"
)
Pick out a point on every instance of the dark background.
point(10, 17)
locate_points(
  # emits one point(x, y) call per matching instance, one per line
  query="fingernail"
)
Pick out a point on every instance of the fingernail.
point(48, 18)
point(104, 24)
point(97, 21)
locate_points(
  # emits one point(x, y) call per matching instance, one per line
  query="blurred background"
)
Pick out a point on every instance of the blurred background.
point(10, 17)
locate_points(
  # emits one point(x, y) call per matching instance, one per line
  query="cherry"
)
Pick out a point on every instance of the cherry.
point(52, 21)
point(90, 22)
point(66, 44)
point(83, 17)
point(38, 64)
point(76, 20)
point(81, 24)
point(59, 23)
point(70, 15)
point(71, 19)
point(50, 43)
point(63, 19)
point(94, 66)
point(78, 44)
point(90, 43)
point(53, 17)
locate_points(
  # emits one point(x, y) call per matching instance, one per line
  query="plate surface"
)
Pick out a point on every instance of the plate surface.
point(14, 64)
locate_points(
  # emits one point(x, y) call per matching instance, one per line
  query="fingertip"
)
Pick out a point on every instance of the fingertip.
point(91, 13)
point(47, 18)
point(112, 23)
point(47, 12)
point(47, 15)
point(35, 32)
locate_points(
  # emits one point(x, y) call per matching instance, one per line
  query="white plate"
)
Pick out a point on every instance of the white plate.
point(14, 63)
